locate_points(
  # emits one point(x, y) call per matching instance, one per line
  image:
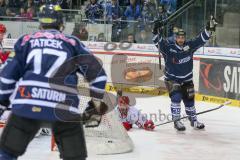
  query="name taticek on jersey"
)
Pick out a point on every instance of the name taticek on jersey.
point(53, 43)
point(48, 94)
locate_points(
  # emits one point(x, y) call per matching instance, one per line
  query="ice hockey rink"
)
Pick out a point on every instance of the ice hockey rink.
point(219, 141)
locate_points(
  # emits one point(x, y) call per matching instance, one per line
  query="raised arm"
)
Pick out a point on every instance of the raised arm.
point(200, 40)
point(160, 43)
point(205, 35)
point(158, 40)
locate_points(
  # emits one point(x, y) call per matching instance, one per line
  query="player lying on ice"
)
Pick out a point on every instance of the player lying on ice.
point(130, 115)
point(3, 54)
point(178, 57)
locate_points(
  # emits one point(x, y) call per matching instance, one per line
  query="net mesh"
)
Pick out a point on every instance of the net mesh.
point(109, 137)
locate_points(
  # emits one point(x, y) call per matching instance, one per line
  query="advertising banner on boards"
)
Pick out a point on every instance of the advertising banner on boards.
point(220, 78)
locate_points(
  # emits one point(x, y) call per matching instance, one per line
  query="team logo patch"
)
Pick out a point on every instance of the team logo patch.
point(36, 109)
point(186, 48)
point(24, 93)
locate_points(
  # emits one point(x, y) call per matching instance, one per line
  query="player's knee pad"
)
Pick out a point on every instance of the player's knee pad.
point(70, 140)
point(188, 102)
point(176, 97)
point(17, 134)
point(188, 91)
point(172, 87)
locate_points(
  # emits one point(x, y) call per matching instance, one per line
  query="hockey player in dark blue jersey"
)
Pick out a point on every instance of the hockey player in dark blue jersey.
point(178, 57)
point(43, 88)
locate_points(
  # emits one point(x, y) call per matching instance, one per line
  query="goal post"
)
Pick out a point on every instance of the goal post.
point(110, 137)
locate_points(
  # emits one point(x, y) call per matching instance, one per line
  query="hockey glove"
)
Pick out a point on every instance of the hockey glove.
point(211, 24)
point(93, 113)
point(158, 26)
point(149, 125)
point(100, 107)
point(4, 106)
point(127, 125)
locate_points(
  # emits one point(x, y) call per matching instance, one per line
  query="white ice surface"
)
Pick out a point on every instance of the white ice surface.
point(219, 141)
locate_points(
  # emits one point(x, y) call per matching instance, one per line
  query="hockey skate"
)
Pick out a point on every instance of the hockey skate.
point(179, 126)
point(197, 125)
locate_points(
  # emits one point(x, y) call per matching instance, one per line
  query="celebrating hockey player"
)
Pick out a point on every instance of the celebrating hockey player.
point(178, 72)
point(3, 54)
point(38, 58)
point(130, 115)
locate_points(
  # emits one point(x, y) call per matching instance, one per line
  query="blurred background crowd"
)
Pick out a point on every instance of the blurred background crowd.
point(131, 20)
point(24, 8)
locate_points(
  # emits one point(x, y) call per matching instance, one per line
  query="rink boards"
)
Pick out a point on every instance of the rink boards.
point(216, 70)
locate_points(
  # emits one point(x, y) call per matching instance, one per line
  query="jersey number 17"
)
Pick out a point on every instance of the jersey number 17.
point(37, 56)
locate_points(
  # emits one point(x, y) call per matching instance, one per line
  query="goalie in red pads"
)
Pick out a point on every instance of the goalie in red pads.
point(130, 115)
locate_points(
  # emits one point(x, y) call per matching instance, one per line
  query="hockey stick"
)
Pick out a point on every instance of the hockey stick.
point(159, 52)
point(169, 19)
point(206, 111)
point(176, 13)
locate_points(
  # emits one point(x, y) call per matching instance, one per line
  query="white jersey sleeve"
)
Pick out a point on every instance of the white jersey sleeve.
point(133, 116)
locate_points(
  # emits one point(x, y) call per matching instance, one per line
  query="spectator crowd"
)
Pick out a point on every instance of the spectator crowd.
point(128, 17)
point(25, 9)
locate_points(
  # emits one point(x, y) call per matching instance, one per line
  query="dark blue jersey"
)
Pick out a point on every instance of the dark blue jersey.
point(40, 78)
point(179, 60)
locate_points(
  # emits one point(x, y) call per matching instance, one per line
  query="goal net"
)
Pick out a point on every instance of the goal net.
point(110, 137)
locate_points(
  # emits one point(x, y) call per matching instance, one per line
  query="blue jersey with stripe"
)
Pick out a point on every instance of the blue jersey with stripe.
point(179, 60)
point(42, 77)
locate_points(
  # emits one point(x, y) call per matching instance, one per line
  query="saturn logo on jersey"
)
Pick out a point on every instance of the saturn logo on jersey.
point(41, 93)
point(181, 61)
point(48, 94)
